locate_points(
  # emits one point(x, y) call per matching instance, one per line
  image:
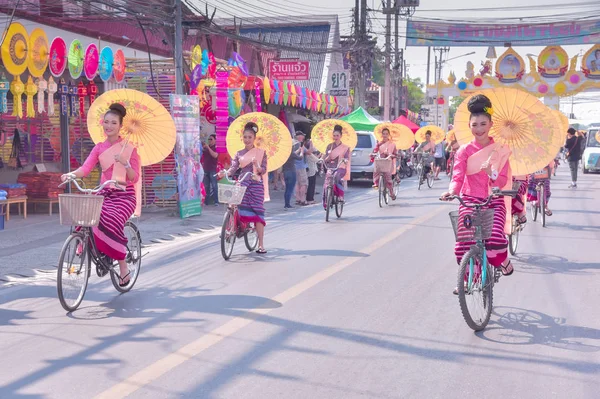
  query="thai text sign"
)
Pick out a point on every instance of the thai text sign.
point(423, 33)
point(288, 70)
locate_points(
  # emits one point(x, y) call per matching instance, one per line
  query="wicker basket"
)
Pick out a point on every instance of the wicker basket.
point(466, 229)
point(231, 194)
point(80, 209)
point(383, 165)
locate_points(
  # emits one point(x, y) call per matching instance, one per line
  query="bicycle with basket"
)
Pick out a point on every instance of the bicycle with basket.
point(385, 164)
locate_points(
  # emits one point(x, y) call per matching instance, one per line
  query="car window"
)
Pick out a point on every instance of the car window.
point(364, 141)
point(592, 142)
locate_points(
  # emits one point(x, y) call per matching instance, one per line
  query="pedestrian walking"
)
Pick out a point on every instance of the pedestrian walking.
point(301, 171)
point(209, 164)
point(573, 149)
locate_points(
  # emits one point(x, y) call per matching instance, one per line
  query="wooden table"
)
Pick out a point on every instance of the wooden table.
point(21, 203)
point(49, 201)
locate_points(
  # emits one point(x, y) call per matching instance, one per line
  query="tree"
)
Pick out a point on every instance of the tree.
point(416, 94)
point(454, 104)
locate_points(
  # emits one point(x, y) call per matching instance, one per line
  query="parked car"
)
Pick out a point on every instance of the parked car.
point(361, 164)
point(591, 154)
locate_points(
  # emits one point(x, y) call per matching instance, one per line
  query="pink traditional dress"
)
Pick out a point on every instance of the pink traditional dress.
point(532, 181)
point(118, 205)
point(474, 186)
point(252, 208)
point(336, 153)
point(386, 149)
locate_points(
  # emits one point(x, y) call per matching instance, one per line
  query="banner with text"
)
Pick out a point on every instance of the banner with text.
point(289, 70)
point(188, 150)
point(425, 33)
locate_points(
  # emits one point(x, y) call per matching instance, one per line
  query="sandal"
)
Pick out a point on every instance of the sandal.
point(508, 269)
point(548, 212)
point(122, 282)
point(261, 251)
point(522, 219)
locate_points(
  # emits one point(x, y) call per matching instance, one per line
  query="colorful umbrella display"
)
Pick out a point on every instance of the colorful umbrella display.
point(196, 58)
point(437, 134)
point(401, 135)
point(91, 61)
point(75, 59)
point(148, 126)
point(273, 137)
point(58, 57)
point(322, 134)
point(119, 66)
point(106, 63)
point(15, 48)
point(38, 53)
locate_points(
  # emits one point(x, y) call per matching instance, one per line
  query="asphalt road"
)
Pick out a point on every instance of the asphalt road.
point(357, 308)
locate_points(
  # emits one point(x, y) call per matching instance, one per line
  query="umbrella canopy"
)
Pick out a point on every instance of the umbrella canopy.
point(75, 59)
point(522, 122)
point(403, 120)
point(91, 61)
point(38, 54)
point(272, 136)
point(58, 57)
point(360, 119)
point(148, 126)
point(437, 134)
point(322, 134)
point(15, 47)
point(401, 135)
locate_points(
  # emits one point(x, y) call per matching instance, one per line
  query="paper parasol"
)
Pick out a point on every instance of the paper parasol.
point(401, 135)
point(196, 58)
point(148, 126)
point(38, 52)
point(58, 57)
point(106, 63)
point(322, 134)
point(15, 49)
point(119, 66)
point(451, 136)
point(91, 61)
point(523, 123)
point(564, 121)
point(437, 134)
point(273, 137)
point(75, 59)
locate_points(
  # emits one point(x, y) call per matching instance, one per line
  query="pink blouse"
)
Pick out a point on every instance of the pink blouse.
point(476, 185)
point(92, 160)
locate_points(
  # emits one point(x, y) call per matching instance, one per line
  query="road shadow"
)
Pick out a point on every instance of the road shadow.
point(553, 264)
point(281, 254)
point(516, 326)
point(574, 227)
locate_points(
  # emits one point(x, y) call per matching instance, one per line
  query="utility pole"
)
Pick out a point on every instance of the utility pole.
point(397, 75)
point(178, 48)
point(428, 66)
point(361, 44)
point(388, 60)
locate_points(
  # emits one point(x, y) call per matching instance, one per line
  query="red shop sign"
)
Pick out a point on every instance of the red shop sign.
point(288, 70)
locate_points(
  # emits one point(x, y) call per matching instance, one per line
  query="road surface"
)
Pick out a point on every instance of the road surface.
point(360, 307)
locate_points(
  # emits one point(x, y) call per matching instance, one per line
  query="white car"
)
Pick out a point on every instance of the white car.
point(361, 165)
point(591, 154)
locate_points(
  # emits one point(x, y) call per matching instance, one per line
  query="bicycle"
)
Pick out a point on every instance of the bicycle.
point(332, 200)
point(450, 164)
point(233, 227)
point(406, 169)
point(422, 176)
point(539, 206)
point(79, 250)
point(384, 164)
point(516, 226)
point(475, 274)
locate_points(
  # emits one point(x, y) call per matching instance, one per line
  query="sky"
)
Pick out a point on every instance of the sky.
point(585, 106)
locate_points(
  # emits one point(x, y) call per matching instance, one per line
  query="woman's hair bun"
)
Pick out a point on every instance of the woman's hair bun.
point(478, 104)
point(338, 128)
point(251, 126)
point(119, 109)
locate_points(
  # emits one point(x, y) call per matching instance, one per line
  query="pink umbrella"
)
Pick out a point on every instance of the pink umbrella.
point(403, 120)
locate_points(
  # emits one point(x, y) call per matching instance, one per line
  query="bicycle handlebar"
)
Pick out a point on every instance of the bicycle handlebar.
point(239, 180)
point(496, 192)
point(72, 179)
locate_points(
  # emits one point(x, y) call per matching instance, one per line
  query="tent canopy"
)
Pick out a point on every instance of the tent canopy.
point(403, 120)
point(360, 119)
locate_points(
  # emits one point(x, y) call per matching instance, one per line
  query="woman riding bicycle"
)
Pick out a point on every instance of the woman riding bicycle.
point(119, 161)
point(479, 166)
point(532, 182)
point(386, 148)
point(426, 149)
point(253, 160)
point(337, 155)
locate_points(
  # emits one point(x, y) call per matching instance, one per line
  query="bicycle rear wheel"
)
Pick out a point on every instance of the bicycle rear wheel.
point(513, 237)
point(430, 179)
point(74, 265)
point(339, 208)
point(251, 238)
point(420, 176)
point(478, 294)
point(328, 202)
point(397, 186)
point(227, 235)
point(542, 204)
point(534, 210)
point(133, 258)
point(381, 191)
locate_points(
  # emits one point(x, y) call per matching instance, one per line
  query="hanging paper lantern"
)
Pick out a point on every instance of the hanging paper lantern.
point(560, 88)
point(30, 91)
point(52, 90)
point(212, 67)
point(82, 93)
point(42, 85)
point(236, 78)
point(205, 62)
point(286, 93)
point(17, 88)
point(267, 90)
point(477, 82)
point(276, 94)
point(4, 88)
point(462, 85)
point(281, 92)
point(92, 91)
point(73, 100)
point(222, 113)
point(63, 90)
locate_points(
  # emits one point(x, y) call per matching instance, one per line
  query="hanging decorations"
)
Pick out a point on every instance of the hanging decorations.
point(38, 54)
point(91, 61)
point(106, 64)
point(222, 114)
point(63, 90)
point(257, 96)
point(73, 100)
point(82, 93)
point(58, 57)
point(17, 88)
point(30, 91)
point(4, 88)
point(52, 89)
point(119, 66)
point(286, 94)
point(267, 89)
point(212, 67)
point(92, 90)
point(553, 62)
point(42, 86)
point(196, 57)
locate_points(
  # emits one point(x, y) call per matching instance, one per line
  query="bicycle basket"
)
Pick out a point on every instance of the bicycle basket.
point(80, 209)
point(383, 165)
point(466, 228)
point(516, 186)
point(231, 194)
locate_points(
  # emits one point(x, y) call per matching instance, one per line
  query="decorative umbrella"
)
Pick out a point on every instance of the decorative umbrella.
point(322, 134)
point(437, 134)
point(106, 63)
point(273, 137)
point(91, 61)
point(196, 58)
point(75, 59)
point(119, 66)
point(15, 48)
point(523, 123)
point(401, 135)
point(148, 126)
point(564, 121)
point(451, 135)
point(38, 52)
point(58, 57)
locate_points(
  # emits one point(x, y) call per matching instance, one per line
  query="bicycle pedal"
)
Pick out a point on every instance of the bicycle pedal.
point(101, 271)
point(497, 275)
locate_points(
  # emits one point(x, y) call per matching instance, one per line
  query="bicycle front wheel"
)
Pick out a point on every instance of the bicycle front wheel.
point(542, 204)
point(328, 202)
point(534, 210)
point(420, 176)
point(339, 208)
point(513, 237)
point(381, 191)
point(430, 179)
point(74, 265)
point(475, 295)
point(133, 259)
point(397, 182)
point(227, 235)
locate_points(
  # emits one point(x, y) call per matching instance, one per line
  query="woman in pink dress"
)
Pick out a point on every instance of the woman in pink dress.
point(478, 167)
point(386, 148)
point(120, 162)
